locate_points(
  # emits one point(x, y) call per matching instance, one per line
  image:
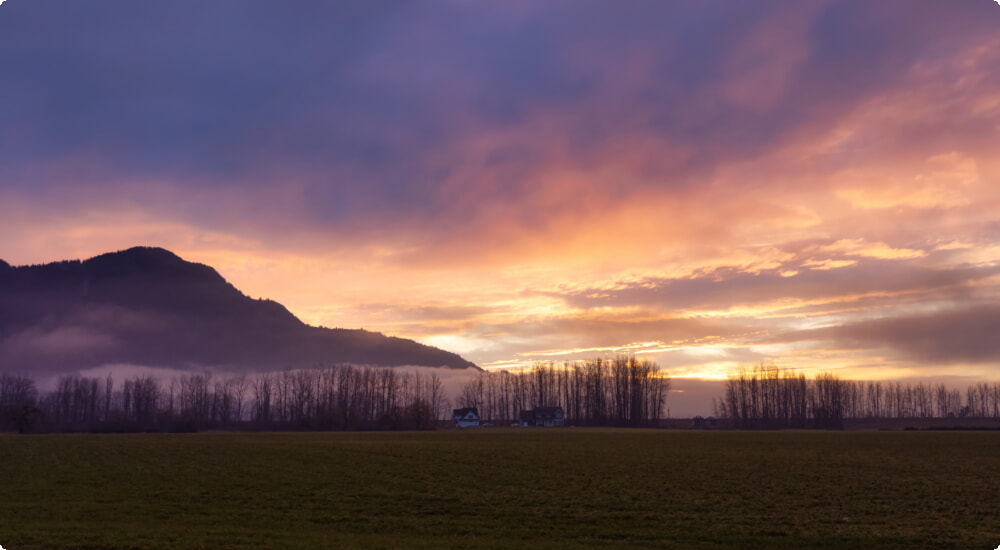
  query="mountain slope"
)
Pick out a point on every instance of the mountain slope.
point(146, 306)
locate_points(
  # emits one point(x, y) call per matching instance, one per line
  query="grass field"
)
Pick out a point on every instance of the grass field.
point(500, 488)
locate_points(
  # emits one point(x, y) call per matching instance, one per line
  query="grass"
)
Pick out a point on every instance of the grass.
point(500, 488)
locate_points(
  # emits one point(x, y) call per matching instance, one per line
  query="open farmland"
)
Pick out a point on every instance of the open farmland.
point(502, 488)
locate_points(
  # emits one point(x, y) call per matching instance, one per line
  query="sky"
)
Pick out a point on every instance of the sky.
point(706, 184)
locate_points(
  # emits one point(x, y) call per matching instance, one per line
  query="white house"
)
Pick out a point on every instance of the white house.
point(467, 417)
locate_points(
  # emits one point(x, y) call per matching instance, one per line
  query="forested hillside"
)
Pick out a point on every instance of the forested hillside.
point(146, 306)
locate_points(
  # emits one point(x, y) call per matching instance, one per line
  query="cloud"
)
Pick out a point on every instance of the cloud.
point(518, 177)
point(398, 106)
point(955, 335)
point(946, 183)
point(723, 289)
point(859, 247)
point(58, 342)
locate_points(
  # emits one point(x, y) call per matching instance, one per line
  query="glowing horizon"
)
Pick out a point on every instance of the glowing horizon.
point(810, 184)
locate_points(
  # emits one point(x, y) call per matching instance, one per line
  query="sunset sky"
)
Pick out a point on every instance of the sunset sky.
point(708, 184)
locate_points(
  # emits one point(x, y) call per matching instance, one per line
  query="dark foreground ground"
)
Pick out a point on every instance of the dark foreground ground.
point(502, 488)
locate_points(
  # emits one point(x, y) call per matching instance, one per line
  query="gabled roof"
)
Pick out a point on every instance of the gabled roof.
point(548, 411)
point(463, 412)
point(530, 415)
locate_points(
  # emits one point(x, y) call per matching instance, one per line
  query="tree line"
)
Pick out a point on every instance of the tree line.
point(768, 397)
point(621, 391)
point(341, 397)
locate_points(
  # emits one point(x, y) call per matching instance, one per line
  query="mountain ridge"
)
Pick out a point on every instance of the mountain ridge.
point(147, 306)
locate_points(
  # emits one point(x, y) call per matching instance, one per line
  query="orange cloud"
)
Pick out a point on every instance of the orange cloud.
point(585, 181)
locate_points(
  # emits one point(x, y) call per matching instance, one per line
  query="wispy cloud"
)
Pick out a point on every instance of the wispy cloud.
point(707, 182)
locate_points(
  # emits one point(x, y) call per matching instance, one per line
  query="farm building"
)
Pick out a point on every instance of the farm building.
point(543, 417)
point(467, 417)
point(703, 423)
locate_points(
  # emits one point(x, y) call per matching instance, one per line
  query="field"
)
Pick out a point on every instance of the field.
point(502, 488)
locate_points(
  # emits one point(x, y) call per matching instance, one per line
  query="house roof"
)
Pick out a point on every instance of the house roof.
point(464, 411)
point(540, 412)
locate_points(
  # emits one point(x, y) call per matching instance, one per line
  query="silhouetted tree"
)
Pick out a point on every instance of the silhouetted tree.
point(623, 391)
point(18, 398)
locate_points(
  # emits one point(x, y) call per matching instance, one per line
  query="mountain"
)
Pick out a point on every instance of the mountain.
point(146, 306)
